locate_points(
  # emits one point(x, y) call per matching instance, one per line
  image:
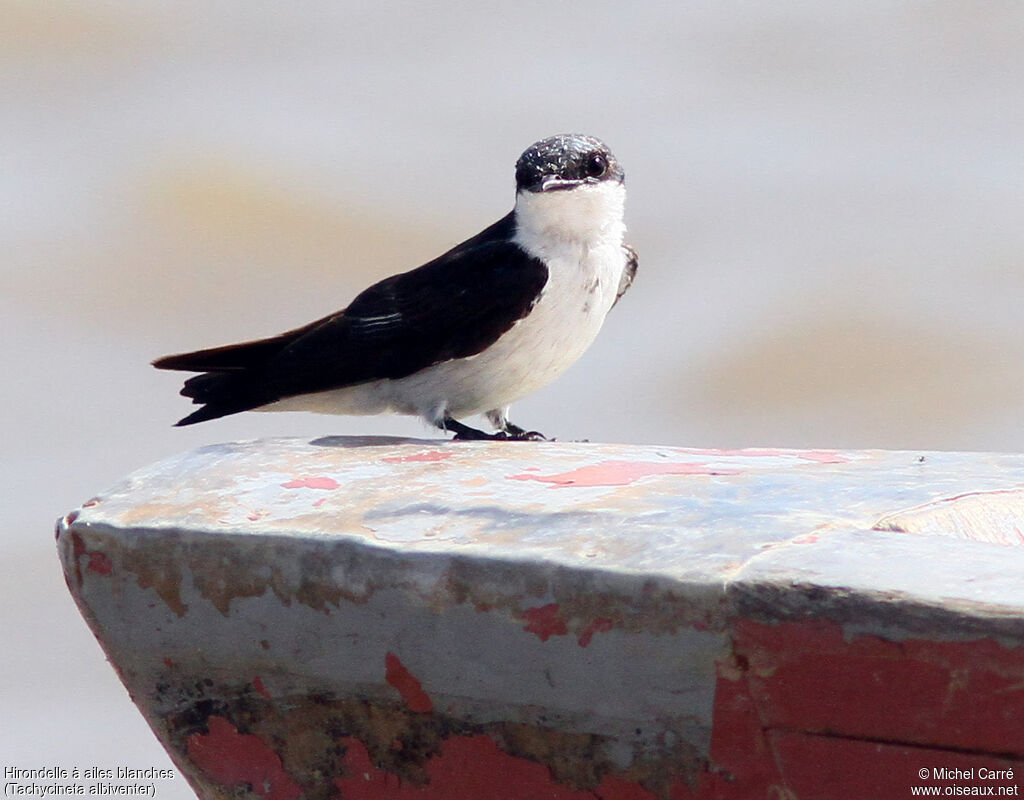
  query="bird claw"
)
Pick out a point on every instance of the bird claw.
point(529, 436)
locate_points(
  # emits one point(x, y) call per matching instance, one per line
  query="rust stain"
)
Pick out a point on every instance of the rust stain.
point(145, 514)
point(162, 575)
point(220, 570)
point(656, 609)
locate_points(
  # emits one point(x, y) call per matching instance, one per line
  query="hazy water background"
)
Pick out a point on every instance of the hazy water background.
point(826, 198)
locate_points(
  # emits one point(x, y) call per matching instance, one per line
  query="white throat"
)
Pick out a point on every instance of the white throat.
point(587, 216)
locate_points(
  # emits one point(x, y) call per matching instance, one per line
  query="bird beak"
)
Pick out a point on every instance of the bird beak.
point(555, 184)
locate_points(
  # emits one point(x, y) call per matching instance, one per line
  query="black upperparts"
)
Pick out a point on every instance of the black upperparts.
point(452, 307)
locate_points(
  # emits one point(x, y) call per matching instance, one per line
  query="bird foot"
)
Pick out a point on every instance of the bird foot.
point(473, 435)
point(528, 436)
point(511, 433)
point(517, 434)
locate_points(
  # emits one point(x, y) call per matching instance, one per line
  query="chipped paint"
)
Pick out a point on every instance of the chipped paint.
point(240, 761)
point(818, 456)
point(804, 710)
point(257, 684)
point(599, 625)
point(427, 623)
point(431, 456)
point(316, 482)
point(407, 685)
point(96, 561)
point(545, 621)
point(471, 767)
point(620, 473)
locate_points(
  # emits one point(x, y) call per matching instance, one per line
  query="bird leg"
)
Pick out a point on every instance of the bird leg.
point(464, 433)
point(508, 432)
point(498, 417)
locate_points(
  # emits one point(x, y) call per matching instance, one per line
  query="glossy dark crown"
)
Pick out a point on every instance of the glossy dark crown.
point(564, 161)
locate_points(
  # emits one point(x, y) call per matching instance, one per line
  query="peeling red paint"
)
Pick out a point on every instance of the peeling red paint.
point(545, 621)
point(621, 473)
point(823, 456)
point(801, 710)
point(741, 760)
point(599, 625)
point(257, 684)
point(234, 759)
point(820, 456)
point(822, 766)
point(614, 788)
point(808, 676)
point(469, 768)
point(431, 455)
point(77, 549)
point(407, 684)
point(811, 537)
point(100, 562)
point(311, 483)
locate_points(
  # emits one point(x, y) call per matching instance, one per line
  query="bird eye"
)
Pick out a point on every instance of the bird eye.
point(597, 165)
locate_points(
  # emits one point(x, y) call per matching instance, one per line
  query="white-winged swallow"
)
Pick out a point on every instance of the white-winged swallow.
point(487, 323)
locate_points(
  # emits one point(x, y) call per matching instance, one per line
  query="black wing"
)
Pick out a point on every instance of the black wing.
point(452, 307)
point(627, 274)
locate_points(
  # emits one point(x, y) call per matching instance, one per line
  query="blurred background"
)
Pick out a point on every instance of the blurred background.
point(826, 199)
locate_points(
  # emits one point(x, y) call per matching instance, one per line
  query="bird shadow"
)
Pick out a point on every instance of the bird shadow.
point(371, 441)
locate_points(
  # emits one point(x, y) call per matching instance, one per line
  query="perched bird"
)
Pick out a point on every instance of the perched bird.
point(490, 321)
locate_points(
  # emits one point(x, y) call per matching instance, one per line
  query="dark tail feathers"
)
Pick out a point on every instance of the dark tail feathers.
point(228, 383)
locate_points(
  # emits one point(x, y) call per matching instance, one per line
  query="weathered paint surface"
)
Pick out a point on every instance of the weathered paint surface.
point(356, 618)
